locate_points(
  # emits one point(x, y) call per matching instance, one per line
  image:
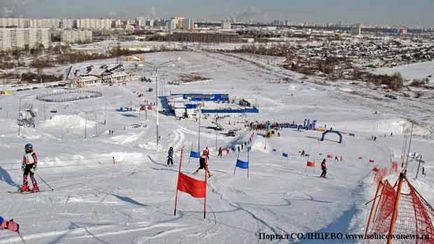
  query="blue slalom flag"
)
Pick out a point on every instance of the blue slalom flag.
point(194, 154)
point(242, 164)
point(274, 149)
point(284, 155)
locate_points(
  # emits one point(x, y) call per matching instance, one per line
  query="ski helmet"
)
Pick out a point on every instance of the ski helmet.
point(28, 146)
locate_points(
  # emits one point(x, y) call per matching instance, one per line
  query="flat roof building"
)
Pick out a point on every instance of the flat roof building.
point(76, 36)
point(21, 38)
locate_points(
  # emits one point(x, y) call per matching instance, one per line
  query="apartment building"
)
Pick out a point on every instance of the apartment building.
point(94, 24)
point(21, 38)
point(76, 36)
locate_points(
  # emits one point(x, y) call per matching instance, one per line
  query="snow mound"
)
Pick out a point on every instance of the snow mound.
point(72, 122)
point(260, 145)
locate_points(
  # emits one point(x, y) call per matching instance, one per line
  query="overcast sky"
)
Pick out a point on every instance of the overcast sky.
point(391, 12)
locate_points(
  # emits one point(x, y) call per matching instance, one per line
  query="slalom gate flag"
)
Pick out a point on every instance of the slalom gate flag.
point(187, 184)
point(371, 161)
point(242, 164)
point(329, 156)
point(194, 154)
point(284, 155)
point(310, 164)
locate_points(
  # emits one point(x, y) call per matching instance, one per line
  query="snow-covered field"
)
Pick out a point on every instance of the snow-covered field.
point(411, 71)
point(117, 189)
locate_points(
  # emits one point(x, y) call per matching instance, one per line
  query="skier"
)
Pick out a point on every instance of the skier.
point(170, 156)
point(323, 168)
point(30, 161)
point(302, 154)
point(336, 158)
point(203, 164)
point(205, 153)
point(220, 154)
point(9, 225)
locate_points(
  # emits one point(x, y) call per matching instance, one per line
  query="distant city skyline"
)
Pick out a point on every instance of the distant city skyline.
point(372, 12)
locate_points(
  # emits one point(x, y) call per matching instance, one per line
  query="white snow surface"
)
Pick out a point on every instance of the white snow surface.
point(411, 71)
point(116, 188)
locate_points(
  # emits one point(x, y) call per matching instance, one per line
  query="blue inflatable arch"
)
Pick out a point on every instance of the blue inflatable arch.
point(332, 131)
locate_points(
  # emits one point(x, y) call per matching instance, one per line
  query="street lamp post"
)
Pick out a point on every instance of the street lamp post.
point(157, 108)
point(409, 145)
point(419, 159)
point(216, 127)
point(19, 117)
point(155, 68)
point(198, 138)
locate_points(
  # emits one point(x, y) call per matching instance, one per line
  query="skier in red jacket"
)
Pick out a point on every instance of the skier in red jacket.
point(9, 225)
point(205, 153)
point(203, 162)
point(30, 161)
point(220, 154)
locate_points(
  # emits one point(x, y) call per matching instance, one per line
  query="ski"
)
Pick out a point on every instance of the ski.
point(22, 192)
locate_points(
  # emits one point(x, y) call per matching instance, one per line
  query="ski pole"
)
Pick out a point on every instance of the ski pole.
point(45, 182)
point(21, 237)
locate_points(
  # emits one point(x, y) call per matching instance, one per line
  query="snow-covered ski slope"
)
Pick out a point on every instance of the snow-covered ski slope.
point(117, 189)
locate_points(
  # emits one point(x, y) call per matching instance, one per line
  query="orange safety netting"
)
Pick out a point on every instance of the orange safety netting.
point(414, 215)
point(384, 208)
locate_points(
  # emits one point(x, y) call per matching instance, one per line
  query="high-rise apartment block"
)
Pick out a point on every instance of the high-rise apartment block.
point(22, 38)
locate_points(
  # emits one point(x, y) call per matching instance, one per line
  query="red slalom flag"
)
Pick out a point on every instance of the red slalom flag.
point(196, 188)
point(310, 164)
point(371, 161)
point(187, 184)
